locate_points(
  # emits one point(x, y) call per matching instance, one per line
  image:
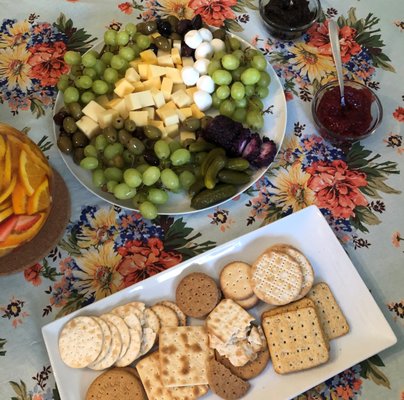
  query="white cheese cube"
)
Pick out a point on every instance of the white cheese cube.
point(172, 130)
point(156, 71)
point(177, 44)
point(135, 63)
point(120, 106)
point(181, 98)
point(162, 53)
point(187, 61)
point(107, 117)
point(145, 98)
point(133, 101)
point(93, 110)
point(131, 75)
point(150, 111)
point(123, 87)
point(88, 126)
point(158, 98)
point(171, 119)
point(176, 56)
point(165, 61)
point(140, 117)
point(167, 87)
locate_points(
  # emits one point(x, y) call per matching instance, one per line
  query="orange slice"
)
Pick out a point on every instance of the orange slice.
point(5, 205)
point(31, 174)
point(19, 199)
point(7, 166)
point(2, 147)
point(40, 200)
point(8, 190)
point(5, 213)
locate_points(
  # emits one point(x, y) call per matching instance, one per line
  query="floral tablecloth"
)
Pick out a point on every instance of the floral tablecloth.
point(105, 248)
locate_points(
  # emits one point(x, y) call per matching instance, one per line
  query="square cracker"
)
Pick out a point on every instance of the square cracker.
point(295, 340)
point(184, 353)
point(330, 314)
point(229, 321)
point(288, 307)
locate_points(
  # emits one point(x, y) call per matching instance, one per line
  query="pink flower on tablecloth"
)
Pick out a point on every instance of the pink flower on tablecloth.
point(47, 63)
point(396, 238)
point(126, 7)
point(33, 274)
point(214, 12)
point(398, 114)
point(337, 188)
point(288, 95)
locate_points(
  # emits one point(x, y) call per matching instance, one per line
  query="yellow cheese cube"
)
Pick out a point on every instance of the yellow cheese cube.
point(135, 63)
point(171, 105)
point(162, 53)
point(156, 71)
point(131, 75)
point(144, 71)
point(187, 135)
point(88, 126)
point(181, 98)
point(150, 111)
point(176, 56)
point(133, 101)
point(107, 117)
point(152, 83)
point(102, 100)
point(168, 114)
point(191, 90)
point(165, 61)
point(184, 113)
point(158, 124)
point(148, 56)
point(120, 106)
point(140, 117)
point(174, 74)
point(123, 87)
point(145, 98)
point(172, 130)
point(93, 110)
point(158, 97)
point(196, 112)
point(179, 86)
point(187, 62)
point(167, 87)
point(139, 86)
point(155, 35)
point(113, 102)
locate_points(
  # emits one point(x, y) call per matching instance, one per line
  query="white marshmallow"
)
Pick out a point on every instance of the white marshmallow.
point(203, 100)
point(206, 83)
point(201, 66)
point(189, 75)
point(204, 50)
point(206, 34)
point(193, 39)
point(218, 45)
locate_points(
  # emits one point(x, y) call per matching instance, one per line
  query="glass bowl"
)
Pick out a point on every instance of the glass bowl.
point(284, 30)
point(359, 120)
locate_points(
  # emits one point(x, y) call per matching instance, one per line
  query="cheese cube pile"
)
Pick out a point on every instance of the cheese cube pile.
point(151, 93)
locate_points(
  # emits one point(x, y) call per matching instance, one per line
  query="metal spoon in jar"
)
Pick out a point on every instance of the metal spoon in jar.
point(334, 40)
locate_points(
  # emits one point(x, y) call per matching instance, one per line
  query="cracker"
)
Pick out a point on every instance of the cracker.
point(122, 328)
point(106, 331)
point(249, 302)
point(307, 269)
point(80, 342)
point(116, 383)
point(288, 307)
point(224, 383)
point(235, 281)
point(151, 328)
point(330, 314)
point(188, 392)
point(228, 321)
point(197, 295)
point(182, 318)
point(184, 353)
point(295, 340)
point(166, 315)
point(276, 278)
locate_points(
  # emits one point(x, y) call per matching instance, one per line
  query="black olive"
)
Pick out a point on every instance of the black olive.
point(164, 27)
point(139, 133)
point(79, 139)
point(151, 158)
point(59, 117)
point(154, 48)
point(78, 154)
point(197, 22)
point(186, 51)
point(184, 25)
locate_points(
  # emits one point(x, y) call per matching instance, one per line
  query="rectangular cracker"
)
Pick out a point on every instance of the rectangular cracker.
point(184, 353)
point(330, 314)
point(288, 307)
point(229, 321)
point(295, 340)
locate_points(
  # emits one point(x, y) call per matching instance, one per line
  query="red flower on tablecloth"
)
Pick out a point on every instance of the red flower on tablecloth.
point(398, 114)
point(32, 274)
point(319, 38)
point(47, 63)
point(336, 187)
point(214, 12)
point(141, 260)
point(126, 7)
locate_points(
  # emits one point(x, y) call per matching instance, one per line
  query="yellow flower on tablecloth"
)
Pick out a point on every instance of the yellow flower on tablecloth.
point(291, 188)
point(97, 233)
point(311, 63)
point(98, 271)
point(16, 35)
point(14, 66)
point(179, 8)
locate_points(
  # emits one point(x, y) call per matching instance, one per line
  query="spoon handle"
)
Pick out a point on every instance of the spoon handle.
point(334, 40)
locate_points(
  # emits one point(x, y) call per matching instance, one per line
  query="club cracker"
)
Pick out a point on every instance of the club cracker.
point(235, 281)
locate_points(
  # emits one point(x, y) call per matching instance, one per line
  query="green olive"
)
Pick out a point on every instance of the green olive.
point(128, 157)
point(124, 136)
point(219, 34)
point(173, 21)
point(65, 144)
point(135, 146)
point(110, 134)
point(75, 110)
point(162, 43)
point(192, 124)
point(130, 125)
point(141, 28)
point(152, 132)
point(205, 121)
point(79, 139)
point(118, 161)
point(149, 27)
point(78, 155)
point(175, 36)
point(69, 125)
point(118, 122)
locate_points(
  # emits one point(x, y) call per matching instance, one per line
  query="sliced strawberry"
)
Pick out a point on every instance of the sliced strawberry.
point(7, 226)
point(24, 222)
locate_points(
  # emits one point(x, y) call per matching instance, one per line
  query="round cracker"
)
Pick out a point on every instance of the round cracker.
point(235, 280)
point(151, 328)
point(182, 318)
point(276, 278)
point(107, 339)
point(80, 341)
point(166, 315)
point(122, 329)
point(250, 302)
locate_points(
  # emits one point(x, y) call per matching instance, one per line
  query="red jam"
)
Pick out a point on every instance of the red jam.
point(354, 119)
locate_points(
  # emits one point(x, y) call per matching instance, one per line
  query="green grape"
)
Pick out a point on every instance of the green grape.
point(170, 179)
point(86, 97)
point(111, 75)
point(250, 76)
point(100, 87)
point(117, 62)
point(94, 53)
point(236, 74)
point(239, 114)
point(180, 157)
point(227, 108)
point(237, 91)
point(223, 92)
point(216, 101)
point(110, 37)
point(230, 62)
point(113, 174)
point(140, 198)
point(259, 62)
point(106, 57)
point(136, 49)
point(88, 60)
point(98, 177)
point(72, 57)
point(83, 82)
point(250, 53)
point(242, 103)
point(174, 145)
point(143, 42)
point(62, 84)
point(255, 120)
point(187, 178)
point(122, 38)
point(124, 67)
point(127, 53)
point(162, 149)
point(90, 151)
point(71, 95)
point(99, 67)
point(128, 157)
point(89, 163)
point(222, 77)
point(91, 72)
point(213, 66)
point(142, 167)
point(100, 143)
point(239, 54)
point(132, 177)
point(219, 54)
point(111, 186)
point(157, 196)
point(255, 103)
point(148, 210)
point(262, 92)
point(249, 90)
point(151, 176)
point(112, 150)
point(123, 192)
point(265, 79)
point(234, 43)
point(130, 28)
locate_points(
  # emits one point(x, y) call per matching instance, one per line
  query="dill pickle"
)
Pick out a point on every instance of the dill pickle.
point(209, 197)
point(237, 164)
point(218, 151)
point(196, 187)
point(233, 177)
point(200, 145)
point(214, 168)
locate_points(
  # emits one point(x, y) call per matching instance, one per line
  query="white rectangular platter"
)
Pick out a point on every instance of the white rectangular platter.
point(308, 231)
